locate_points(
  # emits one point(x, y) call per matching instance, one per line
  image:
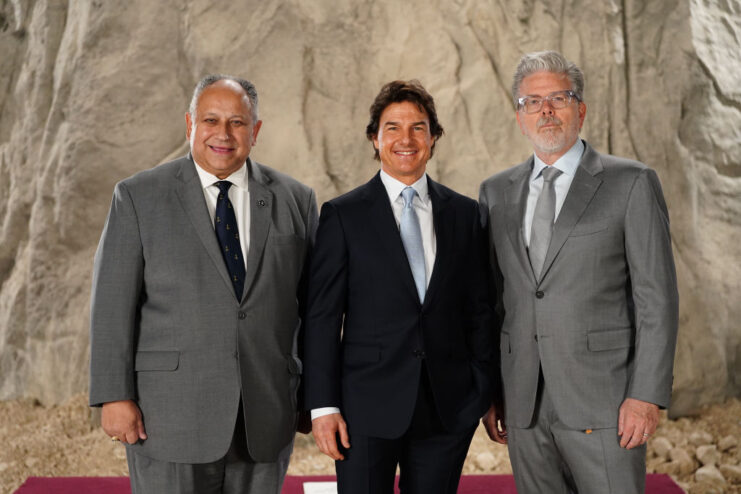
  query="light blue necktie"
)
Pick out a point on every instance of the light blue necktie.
point(411, 237)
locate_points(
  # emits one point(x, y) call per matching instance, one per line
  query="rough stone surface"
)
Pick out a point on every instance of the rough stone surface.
point(661, 446)
point(709, 474)
point(486, 461)
point(708, 454)
point(92, 92)
point(700, 438)
point(728, 442)
point(732, 473)
point(682, 459)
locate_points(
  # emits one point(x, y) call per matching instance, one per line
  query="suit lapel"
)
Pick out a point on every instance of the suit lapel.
point(261, 207)
point(381, 218)
point(190, 193)
point(444, 228)
point(580, 194)
point(516, 201)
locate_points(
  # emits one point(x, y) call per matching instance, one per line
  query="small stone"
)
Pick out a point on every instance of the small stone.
point(3, 467)
point(709, 474)
point(486, 461)
point(700, 438)
point(702, 488)
point(708, 454)
point(31, 461)
point(669, 468)
point(653, 463)
point(686, 464)
point(731, 472)
point(727, 443)
point(661, 446)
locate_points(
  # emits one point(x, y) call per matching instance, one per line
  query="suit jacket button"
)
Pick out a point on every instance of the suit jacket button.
point(419, 353)
point(241, 315)
point(539, 294)
point(535, 337)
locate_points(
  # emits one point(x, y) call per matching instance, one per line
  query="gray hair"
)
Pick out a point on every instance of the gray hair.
point(548, 61)
point(248, 87)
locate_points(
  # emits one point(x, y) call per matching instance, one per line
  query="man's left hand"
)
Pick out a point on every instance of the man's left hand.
point(637, 421)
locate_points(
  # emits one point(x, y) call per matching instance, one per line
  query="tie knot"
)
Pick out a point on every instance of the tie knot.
point(408, 195)
point(549, 173)
point(223, 186)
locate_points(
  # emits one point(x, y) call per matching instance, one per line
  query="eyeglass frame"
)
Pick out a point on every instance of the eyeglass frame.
point(571, 96)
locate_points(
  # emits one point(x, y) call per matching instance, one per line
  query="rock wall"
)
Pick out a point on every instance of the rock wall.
point(93, 91)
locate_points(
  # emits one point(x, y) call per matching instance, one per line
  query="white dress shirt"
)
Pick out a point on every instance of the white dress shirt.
point(239, 195)
point(423, 207)
point(568, 163)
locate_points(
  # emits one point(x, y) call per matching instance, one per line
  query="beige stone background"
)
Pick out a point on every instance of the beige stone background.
point(93, 91)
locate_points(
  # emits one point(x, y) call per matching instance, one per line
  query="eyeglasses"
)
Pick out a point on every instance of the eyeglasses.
point(557, 100)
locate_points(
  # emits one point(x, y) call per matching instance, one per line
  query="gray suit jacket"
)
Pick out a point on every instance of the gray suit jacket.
point(167, 330)
point(602, 320)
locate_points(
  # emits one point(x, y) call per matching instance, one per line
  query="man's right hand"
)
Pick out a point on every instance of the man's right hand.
point(123, 420)
point(325, 429)
point(494, 424)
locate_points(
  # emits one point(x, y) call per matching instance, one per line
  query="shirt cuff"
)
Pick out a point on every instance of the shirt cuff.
point(320, 412)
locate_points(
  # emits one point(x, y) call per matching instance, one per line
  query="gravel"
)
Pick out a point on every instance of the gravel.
point(61, 441)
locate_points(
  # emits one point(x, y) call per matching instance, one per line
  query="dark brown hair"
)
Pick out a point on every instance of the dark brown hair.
point(397, 92)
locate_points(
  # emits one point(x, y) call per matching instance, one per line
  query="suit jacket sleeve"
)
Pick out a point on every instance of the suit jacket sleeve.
point(494, 289)
point(326, 306)
point(311, 222)
point(116, 290)
point(654, 289)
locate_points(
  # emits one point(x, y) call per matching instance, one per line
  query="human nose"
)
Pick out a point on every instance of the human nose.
point(406, 136)
point(547, 108)
point(224, 132)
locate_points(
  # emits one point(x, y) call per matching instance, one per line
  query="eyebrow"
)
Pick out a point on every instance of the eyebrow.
point(421, 122)
point(215, 114)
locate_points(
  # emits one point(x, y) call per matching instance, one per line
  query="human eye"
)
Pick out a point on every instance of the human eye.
point(559, 98)
point(237, 123)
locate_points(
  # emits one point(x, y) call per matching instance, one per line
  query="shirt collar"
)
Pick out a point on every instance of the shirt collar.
point(394, 187)
point(238, 178)
point(568, 163)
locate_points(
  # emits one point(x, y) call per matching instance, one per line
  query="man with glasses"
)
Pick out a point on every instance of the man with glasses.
point(581, 257)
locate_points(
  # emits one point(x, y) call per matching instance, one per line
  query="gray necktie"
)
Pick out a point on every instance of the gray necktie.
point(411, 237)
point(542, 227)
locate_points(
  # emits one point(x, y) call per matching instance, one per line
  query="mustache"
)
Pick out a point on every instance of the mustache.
point(548, 120)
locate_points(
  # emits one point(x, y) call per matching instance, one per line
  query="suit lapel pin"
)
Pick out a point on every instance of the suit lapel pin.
point(261, 203)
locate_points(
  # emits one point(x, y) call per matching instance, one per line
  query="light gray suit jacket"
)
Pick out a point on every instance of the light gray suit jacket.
point(602, 320)
point(167, 330)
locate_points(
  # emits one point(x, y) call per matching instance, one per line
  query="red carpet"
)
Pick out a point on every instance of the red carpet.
point(470, 484)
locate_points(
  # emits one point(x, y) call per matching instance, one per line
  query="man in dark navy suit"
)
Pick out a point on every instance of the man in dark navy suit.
point(398, 343)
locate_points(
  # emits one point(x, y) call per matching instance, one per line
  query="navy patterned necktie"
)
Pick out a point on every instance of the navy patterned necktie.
point(225, 224)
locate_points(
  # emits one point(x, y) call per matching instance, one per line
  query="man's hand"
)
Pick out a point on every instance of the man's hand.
point(325, 429)
point(494, 424)
point(636, 422)
point(123, 420)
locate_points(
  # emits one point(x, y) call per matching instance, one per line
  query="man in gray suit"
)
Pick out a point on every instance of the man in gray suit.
point(196, 306)
point(581, 258)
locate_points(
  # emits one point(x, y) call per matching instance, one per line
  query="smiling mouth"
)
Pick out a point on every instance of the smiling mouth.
point(405, 153)
point(220, 150)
